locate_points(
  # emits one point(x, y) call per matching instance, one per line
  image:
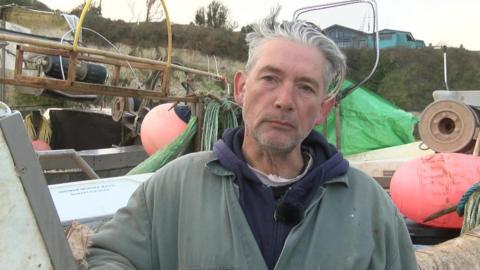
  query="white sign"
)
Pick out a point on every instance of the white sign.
point(93, 199)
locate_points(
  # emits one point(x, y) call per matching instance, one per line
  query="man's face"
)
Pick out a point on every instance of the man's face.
point(281, 95)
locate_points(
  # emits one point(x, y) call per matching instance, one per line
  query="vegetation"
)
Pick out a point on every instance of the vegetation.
point(215, 15)
point(406, 77)
point(27, 3)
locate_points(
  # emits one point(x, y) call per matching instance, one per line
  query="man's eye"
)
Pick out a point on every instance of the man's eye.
point(307, 88)
point(268, 78)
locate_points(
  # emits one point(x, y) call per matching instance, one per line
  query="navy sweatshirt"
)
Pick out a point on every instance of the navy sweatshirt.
point(272, 212)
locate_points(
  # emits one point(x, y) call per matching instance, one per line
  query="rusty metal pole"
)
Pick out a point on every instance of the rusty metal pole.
point(4, 62)
point(338, 134)
point(198, 137)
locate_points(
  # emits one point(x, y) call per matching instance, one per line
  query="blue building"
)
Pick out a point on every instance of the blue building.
point(394, 39)
point(346, 38)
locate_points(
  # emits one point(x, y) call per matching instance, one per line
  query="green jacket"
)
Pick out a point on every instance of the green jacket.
point(187, 216)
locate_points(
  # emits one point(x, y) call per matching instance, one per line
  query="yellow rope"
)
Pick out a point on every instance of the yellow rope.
point(44, 133)
point(32, 133)
point(79, 25)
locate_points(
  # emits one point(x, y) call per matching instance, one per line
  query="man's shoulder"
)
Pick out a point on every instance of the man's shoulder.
point(359, 181)
point(358, 177)
point(202, 157)
point(194, 167)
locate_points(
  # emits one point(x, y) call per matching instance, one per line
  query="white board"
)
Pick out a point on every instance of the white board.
point(94, 199)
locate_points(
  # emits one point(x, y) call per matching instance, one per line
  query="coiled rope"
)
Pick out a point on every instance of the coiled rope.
point(44, 131)
point(469, 208)
point(219, 115)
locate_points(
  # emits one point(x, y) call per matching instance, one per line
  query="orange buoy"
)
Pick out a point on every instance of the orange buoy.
point(426, 185)
point(160, 127)
point(39, 145)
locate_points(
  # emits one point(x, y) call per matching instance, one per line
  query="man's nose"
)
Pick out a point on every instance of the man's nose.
point(285, 97)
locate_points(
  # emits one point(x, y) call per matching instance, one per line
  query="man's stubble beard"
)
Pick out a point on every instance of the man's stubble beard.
point(266, 144)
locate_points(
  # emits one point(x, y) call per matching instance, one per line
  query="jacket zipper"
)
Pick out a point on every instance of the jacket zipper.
point(274, 242)
point(313, 203)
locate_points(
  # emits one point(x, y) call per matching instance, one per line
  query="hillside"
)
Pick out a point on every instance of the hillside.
point(406, 77)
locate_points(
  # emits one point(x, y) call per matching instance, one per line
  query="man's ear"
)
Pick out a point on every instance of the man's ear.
point(325, 108)
point(239, 87)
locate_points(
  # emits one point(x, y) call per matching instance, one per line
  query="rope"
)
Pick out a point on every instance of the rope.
point(44, 132)
point(465, 197)
point(471, 202)
point(170, 152)
point(210, 125)
point(219, 115)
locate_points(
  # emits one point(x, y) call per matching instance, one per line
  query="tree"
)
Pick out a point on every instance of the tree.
point(246, 29)
point(200, 17)
point(95, 8)
point(215, 16)
point(154, 11)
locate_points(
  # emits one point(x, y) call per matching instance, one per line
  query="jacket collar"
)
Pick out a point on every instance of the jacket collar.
point(213, 164)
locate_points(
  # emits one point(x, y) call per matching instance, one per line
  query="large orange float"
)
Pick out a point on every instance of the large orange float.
point(160, 127)
point(429, 184)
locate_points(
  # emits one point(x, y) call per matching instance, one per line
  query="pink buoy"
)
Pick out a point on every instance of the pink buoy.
point(39, 145)
point(426, 185)
point(160, 127)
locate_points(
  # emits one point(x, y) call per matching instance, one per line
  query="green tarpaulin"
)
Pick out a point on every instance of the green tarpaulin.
point(369, 122)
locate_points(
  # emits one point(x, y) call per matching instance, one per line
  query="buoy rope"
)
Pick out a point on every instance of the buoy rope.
point(219, 115)
point(459, 208)
point(461, 205)
point(471, 213)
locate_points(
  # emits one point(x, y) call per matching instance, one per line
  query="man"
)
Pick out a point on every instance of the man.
point(272, 195)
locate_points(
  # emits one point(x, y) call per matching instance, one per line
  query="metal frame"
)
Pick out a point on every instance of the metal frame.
point(373, 5)
point(70, 85)
point(33, 181)
point(44, 47)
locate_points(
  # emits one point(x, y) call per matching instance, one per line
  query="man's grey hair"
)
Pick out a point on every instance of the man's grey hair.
point(305, 33)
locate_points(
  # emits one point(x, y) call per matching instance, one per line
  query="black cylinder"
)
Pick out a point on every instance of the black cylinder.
point(85, 72)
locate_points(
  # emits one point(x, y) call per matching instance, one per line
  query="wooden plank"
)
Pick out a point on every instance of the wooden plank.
point(72, 67)
point(116, 75)
point(68, 47)
point(89, 58)
point(46, 51)
point(89, 88)
point(123, 63)
point(18, 62)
